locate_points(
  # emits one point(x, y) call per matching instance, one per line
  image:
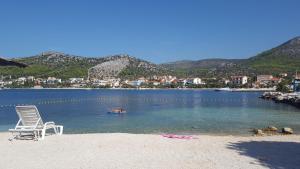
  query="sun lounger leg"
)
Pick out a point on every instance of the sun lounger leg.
point(55, 130)
point(43, 134)
point(14, 136)
point(61, 128)
point(36, 135)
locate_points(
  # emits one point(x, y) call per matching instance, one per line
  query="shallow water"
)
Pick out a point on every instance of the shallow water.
point(150, 111)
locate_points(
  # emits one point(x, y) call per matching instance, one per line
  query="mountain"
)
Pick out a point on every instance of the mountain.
point(205, 68)
point(53, 63)
point(123, 66)
point(283, 58)
point(65, 66)
point(205, 63)
point(4, 62)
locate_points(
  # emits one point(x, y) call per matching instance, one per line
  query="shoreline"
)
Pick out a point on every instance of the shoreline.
point(248, 134)
point(207, 89)
point(135, 151)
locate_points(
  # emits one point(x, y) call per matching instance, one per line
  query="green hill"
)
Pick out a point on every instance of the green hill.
point(283, 58)
point(65, 66)
point(52, 64)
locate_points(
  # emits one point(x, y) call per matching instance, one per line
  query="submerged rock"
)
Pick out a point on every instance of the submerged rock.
point(195, 127)
point(287, 130)
point(270, 130)
point(270, 95)
point(258, 132)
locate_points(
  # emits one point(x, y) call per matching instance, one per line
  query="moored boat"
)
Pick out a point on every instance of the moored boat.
point(223, 89)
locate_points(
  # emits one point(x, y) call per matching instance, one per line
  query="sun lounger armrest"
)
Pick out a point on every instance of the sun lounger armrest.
point(49, 123)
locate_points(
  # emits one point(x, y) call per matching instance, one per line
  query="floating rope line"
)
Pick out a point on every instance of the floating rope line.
point(126, 100)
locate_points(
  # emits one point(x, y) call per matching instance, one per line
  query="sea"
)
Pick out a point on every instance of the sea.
point(156, 111)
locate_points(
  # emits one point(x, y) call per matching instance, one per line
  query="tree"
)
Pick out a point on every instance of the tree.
point(282, 87)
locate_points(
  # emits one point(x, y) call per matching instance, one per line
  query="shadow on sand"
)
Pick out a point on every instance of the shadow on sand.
point(277, 155)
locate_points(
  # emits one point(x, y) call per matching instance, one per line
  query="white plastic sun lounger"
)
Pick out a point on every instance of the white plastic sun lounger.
point(30, 121)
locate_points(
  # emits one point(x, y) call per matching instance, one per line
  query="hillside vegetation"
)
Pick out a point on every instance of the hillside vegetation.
point(65, 66)
point(284, 58)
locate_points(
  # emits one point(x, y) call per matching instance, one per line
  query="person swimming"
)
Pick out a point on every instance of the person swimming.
point(118, 110)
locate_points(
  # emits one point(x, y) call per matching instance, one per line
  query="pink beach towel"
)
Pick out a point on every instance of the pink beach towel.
point(185, 137)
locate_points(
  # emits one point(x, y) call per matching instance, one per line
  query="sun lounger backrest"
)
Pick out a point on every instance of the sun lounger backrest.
point(29, 115)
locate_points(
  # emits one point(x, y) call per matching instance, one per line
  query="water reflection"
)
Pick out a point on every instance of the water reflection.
point(148, 111)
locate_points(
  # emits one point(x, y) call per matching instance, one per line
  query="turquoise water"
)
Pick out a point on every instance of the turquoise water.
point(151, 111)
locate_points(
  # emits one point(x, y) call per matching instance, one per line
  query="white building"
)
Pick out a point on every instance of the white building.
point(21, 80)
point(156, 83)
point(115, 84)
point(226, 81)
point(76, 80)
point(103, 82)
point(239, 80)
point(30, 78)
point(264, 78)
point(53, 80)
point(7, 83)
point(197, 81)
point(134, 83)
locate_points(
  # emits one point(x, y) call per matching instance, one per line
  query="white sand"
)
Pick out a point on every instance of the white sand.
point(134, 151)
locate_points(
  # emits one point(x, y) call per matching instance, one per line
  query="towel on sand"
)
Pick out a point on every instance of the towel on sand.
point(185, 137)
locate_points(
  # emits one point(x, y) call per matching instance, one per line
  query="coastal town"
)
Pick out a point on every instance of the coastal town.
point(243, 82)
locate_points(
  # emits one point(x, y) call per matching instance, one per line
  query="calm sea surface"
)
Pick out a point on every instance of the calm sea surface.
point(150, 111)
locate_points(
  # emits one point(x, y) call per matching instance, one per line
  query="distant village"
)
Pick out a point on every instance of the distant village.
point(260, 81)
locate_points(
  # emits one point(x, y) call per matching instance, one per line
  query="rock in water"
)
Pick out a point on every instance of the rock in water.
point(287, 130)
point(258, 132)
point(272, 128)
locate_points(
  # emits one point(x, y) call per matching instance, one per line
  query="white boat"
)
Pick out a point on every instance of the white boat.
point(224, 89)
point(38, 87)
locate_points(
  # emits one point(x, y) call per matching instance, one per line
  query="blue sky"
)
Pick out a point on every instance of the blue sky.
point(155, 30)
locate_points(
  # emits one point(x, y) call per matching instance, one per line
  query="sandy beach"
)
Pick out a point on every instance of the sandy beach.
point(136, 151)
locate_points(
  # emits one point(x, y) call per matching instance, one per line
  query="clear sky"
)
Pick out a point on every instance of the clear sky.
point(155, 30)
